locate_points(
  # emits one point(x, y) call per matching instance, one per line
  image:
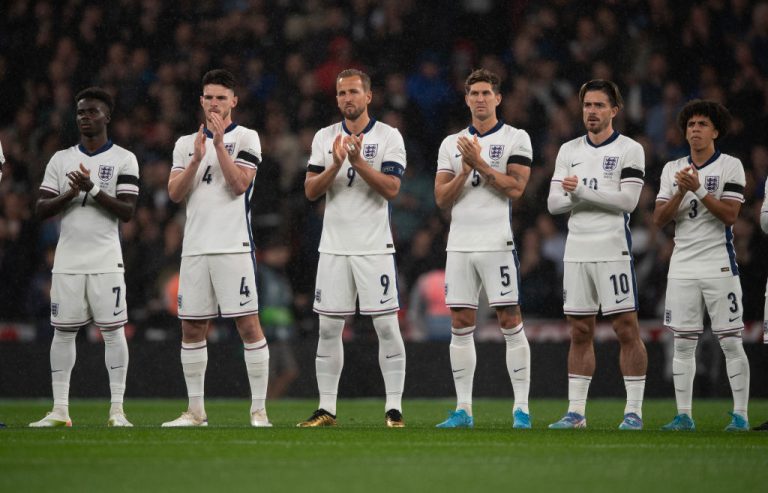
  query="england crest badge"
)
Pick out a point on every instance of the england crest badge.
point(106, 172)
point(370, 150)
point(496, 151)
point(610, 163)
point(712, 183)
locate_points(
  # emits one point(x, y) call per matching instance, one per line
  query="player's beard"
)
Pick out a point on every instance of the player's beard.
point(353, 113)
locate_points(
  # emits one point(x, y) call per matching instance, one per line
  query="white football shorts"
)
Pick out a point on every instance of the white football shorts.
point(78, 299)
point(591, 286)
point(341, 279)
point(687, 299)
point(465, 272)
point(215, 284)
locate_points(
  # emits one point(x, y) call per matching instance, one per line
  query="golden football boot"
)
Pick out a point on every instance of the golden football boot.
point(321, 417)
point(394, 419)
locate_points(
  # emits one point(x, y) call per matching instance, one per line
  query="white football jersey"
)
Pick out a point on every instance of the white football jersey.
point(481, 217)
point(218, 220)
point(596, 234)
point(90, 241)
point(703, 244)
point(356, 220)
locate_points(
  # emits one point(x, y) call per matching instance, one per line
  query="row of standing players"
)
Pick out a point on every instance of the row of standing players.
point(357, 164)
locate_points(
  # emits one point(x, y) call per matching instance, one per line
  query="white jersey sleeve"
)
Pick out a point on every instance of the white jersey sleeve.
point(559, 201)
point(51, 181)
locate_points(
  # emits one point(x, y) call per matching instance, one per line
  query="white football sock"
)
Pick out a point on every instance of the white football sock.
point(329, 361)
point(116, 360)
point(518, 364)
point(635, 386)
point(463, 363)
point(63, 355)
point(194, 360)
point(257, 365)
point(737, 365)
point(684, 371)
point(391, 359)
point(578, 389)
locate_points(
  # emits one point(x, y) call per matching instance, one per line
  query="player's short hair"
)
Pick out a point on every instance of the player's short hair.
point(220, 77)
point(99, 94)
point(719, 114)
point(483, 75)
point(609, 88)
point(353, 72)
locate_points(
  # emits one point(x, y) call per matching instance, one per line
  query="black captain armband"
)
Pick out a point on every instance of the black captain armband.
point(523, 160)
point(632, 173)
point(393, 169)
point(733, 187)
point(128, 180)
point(248, 157)
point(314, 168)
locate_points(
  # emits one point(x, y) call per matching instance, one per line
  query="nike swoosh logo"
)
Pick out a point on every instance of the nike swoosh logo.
point(54, 371)
point(504, 293)
point(191, 154)
point(456, 371)
point(576, 164)
point(732, 319)
point(515, 370)
point(330, 152)
point(243, 303)
point(118, 313)
point(384, 301)
point(457, 155)
point(734, 376)
point(322, 356)
point(115, 367)
point(393, 355)
point(622, 300)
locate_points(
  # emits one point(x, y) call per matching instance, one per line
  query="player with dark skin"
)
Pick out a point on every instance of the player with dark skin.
point(92, 120)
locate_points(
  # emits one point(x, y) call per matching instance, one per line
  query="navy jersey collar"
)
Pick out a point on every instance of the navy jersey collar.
point(614, 136)
point(708, 161)
point(101, 149)
point(209, 134)
point(365, 130)
point(474, 131)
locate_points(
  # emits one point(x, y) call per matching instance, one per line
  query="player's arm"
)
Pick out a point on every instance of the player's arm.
point(512, 183)
point(180, 181)
point(385, 184)
point(319, 179)
point(725, 209)
point(50, 203)
point(559, 201)
point(239, 178)
point(669, 199)
point(623, 200)
point(448, 186)
point(121, 206)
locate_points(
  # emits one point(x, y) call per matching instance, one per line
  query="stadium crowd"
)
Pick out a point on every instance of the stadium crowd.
point(287, 53)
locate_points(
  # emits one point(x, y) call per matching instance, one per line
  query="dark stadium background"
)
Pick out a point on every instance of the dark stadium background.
point(151, 56)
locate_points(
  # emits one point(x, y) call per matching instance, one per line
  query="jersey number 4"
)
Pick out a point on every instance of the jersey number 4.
point(207, 176)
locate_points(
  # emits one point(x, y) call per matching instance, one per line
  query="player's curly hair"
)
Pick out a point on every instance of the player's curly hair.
point(220, 77)
point(483, 75)
point(716, 112)
point(99, 94)
point(609, 88)
point(353, 72)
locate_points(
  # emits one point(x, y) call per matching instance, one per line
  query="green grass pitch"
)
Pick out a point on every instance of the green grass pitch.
point(362, 455)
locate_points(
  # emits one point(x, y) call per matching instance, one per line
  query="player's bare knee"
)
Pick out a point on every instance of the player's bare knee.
point(582, 330)
point(462, 317)
point(194, 330)
point(626, 328)
point(509, 316)
point(249, 328)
